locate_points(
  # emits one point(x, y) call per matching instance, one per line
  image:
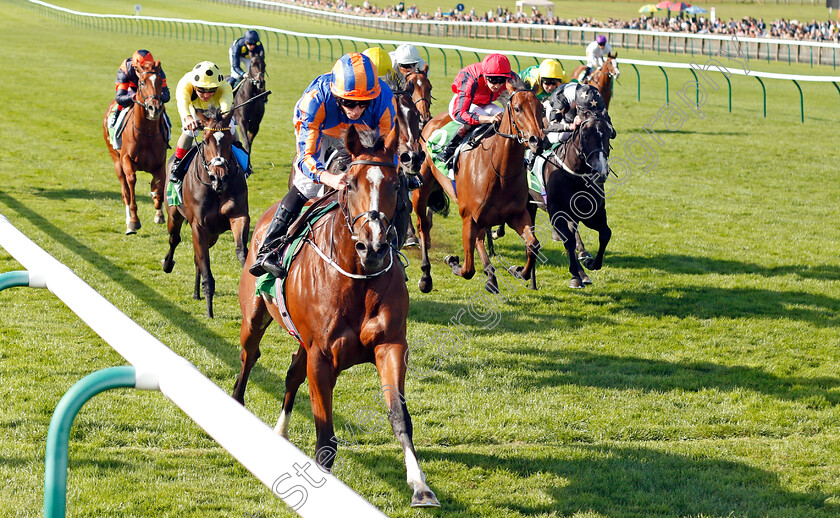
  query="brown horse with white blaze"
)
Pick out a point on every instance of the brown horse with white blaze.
point(347, 298)
point(144, 144)
point(492, 189)
point(215, 201)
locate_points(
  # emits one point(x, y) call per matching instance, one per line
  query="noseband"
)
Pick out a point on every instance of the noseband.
point(517, 136)
point(216, 161)
point(145, 103)
point(583, 157)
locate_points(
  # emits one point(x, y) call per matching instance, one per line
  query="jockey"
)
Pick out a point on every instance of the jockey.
point(567, 104)
point(406, 59)
point(381, 61)
point(350, 94)
point(476, 87)
point(127, 79)
point(241, 52)
point(543, 79)
point(200, 88)
point(595, 53)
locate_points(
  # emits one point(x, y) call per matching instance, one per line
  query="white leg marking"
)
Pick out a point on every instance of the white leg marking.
point(127, 214)
point(282, 427)
point(413, 474)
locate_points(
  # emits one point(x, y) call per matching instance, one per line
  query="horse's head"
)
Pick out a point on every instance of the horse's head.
point(610, 66)
point(256, 72)
point(370, 198)
point(150, 89)
point(421, 93)
point(595, 133)
point(524, 116)
point(410, 149)
point(216, 149)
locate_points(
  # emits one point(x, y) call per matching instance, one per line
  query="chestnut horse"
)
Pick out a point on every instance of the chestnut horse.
point(249, 116)
point(144, 144)
point(492, 188)
point(215, 200)
point(602, 78)
point(347, 298)
point(421, 93)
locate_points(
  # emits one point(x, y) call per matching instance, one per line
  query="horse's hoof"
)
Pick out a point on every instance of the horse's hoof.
point(167, 265)
point(425, 285)
point(516, 271)
point(584, 255)
point(160, 219)
point(586, 280)
point(452, 260)
point(133, 225)
point(129, 231)
point(591, 265)
point(411, 241)
point(491, 287)
point(576, 283)
point(424, 499)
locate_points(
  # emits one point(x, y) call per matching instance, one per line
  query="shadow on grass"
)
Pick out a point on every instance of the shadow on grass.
point(611, 481)
point(691, 265)
point(540, 368)
point(83, 194)
point(194, 327)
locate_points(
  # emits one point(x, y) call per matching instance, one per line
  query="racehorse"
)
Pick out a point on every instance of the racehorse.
point(602, 78)
point(347, 299)
point(249, 116)
point(215, 200)
point(144, 144)
point(492, 188)
point(411, 154)
point(574, 179)
point(421, 93)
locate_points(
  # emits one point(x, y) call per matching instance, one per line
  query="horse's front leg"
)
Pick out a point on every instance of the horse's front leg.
point(132, 221)
point(157, 186)
point(523, 224)
point(255, 322)
point(604, 235)
point(391, 363)
point(240, 226)
point(201, 247)
point(581, 253)
point(424, 228)
point(174, 229)
point(321, 375)
point(469, 235)
point(491, 284)
point(567, 228)
point(295, 376)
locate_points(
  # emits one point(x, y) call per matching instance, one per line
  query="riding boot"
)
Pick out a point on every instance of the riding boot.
point(414, 181)
point(268, 256)
point(176, 173)
point(446, 155)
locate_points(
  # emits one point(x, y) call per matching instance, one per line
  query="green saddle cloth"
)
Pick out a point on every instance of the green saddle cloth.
point(437, 143)
point(265, 282)
point(536, 182)
point(174, 194)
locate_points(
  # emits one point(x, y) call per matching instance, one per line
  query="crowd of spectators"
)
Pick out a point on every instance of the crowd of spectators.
point(828, 31)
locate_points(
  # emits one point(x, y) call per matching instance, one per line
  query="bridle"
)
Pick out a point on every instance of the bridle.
point(517, 136)
point(371, 215)
point(422, 99)
point(258, 79)
point(145, 103)
point(216, 161)
point(583, 157)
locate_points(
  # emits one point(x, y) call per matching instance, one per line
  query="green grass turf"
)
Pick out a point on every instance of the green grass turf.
point(697, 377)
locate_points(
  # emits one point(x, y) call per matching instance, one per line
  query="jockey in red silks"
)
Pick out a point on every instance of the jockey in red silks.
point(351, 94)
point(476, 87)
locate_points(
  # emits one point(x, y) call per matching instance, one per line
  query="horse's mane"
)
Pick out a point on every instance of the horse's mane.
point(395, 81)
point(518, 84)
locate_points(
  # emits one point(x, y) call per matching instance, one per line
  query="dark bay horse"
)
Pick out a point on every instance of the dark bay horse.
point(347, 298)
point(215, 201)
point(421, 93)
point(144, 144)
point(492, 188)
point(574, 180)
point(411, 150)
point(602, 79)
point(249, 116)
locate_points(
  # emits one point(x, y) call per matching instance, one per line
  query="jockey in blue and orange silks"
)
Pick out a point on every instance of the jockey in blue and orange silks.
point(350, 94)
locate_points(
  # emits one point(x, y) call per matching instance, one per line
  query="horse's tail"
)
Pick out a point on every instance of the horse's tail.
point(439, 202)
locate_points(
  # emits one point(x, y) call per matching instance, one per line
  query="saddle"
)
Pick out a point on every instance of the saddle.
point(442, 136)
point(118, 120)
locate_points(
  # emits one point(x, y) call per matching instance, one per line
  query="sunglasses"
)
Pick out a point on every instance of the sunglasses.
point(355, 104)
point(205, 90)
point(549, 82)
point(497, 80)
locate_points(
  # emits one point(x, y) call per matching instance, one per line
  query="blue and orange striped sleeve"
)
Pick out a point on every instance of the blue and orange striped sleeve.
point(309, 120)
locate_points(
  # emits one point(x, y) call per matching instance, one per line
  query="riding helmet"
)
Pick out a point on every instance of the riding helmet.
point(551, 69)
point(206, 75)
point(496, 65)
point(140, 57)
point(381, 60)
point(354, 77)
point(252, 37)
point(601, 39)
point(407, 54)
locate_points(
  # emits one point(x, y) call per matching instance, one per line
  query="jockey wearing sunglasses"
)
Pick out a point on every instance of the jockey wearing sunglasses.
point(128, 77)
point(351, 94)
point(544, 79)
point(241, 52)
point(200, 88)
point(475, 88)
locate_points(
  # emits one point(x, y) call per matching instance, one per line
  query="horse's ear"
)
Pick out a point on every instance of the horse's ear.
point(510, 87)
point(226, 119)
point(426, 68)
point(202, 118)
point(157, 65)
point(392, 140)
point(352, 141)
